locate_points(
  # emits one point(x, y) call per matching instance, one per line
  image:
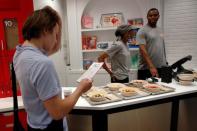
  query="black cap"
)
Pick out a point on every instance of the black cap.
point(121, 30)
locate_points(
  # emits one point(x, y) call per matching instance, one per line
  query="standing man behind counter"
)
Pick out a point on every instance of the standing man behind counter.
point(119, 55)
point(150, 39)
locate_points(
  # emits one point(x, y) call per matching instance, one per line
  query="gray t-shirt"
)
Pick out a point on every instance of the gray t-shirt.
point(153, 39)
point(119, 55)
point(38, 81)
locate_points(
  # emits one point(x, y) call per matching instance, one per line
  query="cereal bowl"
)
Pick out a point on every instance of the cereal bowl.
point(115, 86)
point(97, 97)
point(127, 91)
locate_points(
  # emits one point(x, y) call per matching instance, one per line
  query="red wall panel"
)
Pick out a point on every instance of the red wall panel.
point(19, 9)
point(23, 10)
point(9, 4)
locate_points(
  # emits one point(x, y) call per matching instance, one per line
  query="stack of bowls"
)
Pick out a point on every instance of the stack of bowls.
point(185, 79)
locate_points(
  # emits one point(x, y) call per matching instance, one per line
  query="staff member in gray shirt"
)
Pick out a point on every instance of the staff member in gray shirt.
point(35, 72)
point(119, 55)
point(150, 39)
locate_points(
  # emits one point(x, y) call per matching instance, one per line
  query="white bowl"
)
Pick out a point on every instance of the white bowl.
point(115, 86)
point(127, 91)
point(185, 83)
point(186, 77)
point(67, 92)
point(97, 97)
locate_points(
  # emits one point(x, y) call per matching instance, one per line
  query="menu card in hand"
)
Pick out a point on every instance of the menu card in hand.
point(92, 70)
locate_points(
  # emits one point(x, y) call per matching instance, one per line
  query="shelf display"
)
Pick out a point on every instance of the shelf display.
point(133, 40)
point(111, 20)
point(136, 23)
point(99, 29)
point(102, 45)
point(94, 42)
point(134, 60)
point(87, 22)
point(102, 40)
point(88, 42)
point(97, 40)
point(87, 63)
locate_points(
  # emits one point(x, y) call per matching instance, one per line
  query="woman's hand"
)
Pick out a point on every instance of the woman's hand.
point(85, 85)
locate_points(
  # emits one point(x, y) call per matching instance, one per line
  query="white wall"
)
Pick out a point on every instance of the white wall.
point(58, 58)
point(180, 18)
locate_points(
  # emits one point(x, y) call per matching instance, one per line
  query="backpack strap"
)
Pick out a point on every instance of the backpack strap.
point(17, 124)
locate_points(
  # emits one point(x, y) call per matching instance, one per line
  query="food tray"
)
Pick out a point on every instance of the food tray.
point(137, 95)
point(108, 99)
point(164, 89)
point(93, 89)
point(134, 85)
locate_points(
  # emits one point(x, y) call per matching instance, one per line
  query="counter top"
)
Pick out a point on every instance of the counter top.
point(179, 90)
point(6, 104)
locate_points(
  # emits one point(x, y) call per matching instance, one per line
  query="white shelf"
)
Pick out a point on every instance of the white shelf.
point(105, 29)
point(134, 49)
point(136, 26)
point(100, 50)
point(93, 50)
point(99, 29)
point(77, 71)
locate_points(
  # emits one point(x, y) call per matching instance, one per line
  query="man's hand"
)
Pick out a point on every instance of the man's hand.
point(154, 72)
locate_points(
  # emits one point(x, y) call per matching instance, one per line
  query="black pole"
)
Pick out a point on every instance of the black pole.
point(17, 124)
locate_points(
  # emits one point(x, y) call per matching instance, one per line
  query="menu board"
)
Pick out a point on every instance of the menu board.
point(92, 70)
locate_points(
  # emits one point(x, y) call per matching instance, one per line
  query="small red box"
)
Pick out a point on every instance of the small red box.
point(89, 42)
point(87, 22)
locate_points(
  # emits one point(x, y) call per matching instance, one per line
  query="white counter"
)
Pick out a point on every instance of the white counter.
point(179, 90)
point(6, 104)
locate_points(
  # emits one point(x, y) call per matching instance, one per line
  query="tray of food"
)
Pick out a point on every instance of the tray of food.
point(114, 87)
point(137, 83)
point(130, 93)
point(94, 89)
point(156, 89)
point(98, 96)
point(125, 92)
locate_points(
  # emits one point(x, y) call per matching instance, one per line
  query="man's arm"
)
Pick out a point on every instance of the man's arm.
point(148, 61)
